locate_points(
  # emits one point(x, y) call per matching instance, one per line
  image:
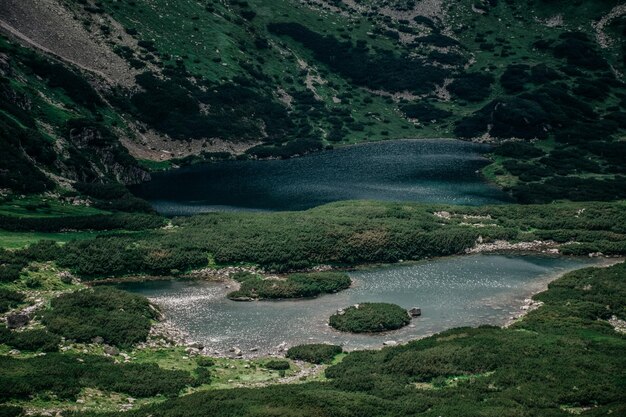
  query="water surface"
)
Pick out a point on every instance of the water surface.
point(452, 292)
point(435, 171)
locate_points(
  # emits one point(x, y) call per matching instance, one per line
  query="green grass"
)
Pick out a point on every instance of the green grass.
point(41, 206)
point(155, 165)
point(18, 240)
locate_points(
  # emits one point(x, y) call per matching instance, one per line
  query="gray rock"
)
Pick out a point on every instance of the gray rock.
point(15, 321)
point(98, 340)
point(111, 350)
point(415, 312)
point(390, 343)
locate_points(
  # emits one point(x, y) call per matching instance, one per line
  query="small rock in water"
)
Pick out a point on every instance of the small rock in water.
point(254, 349)
point(390, 343)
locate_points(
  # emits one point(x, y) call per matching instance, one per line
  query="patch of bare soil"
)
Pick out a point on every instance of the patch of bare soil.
point(48, 26)
point(152, 146)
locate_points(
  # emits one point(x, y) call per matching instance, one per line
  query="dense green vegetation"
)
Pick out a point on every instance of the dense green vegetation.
point(562, 358)
point(314, 353)
point(277, 365)
point(255, 287)
point(64, 375)
point(118, 317)
point(345, 233)
point(370, 318)
point(30, 340)
point(96, 222)
point(9, 299)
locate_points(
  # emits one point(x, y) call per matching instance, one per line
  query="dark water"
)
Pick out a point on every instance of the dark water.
point(436, 171)
point(452, 292)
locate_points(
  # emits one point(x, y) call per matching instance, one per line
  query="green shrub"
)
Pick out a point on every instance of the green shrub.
point(120, 318)
point(9, 299)
point(314, 353)
point(294, 286)
point(64, 375)
point(370, 318)
point(205, 361)
point(277, 365)
point(30, 340)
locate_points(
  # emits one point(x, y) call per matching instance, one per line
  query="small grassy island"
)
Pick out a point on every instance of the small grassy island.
point(256, 287)
point(370, 318)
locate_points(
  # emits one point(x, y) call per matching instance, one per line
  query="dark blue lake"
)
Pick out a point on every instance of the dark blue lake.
point(433, 171)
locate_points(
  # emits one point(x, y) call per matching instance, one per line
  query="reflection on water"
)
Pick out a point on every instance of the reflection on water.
point(452, 292)
point(435, 171)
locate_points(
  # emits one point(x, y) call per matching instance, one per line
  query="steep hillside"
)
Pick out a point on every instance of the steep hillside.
point(190, 80)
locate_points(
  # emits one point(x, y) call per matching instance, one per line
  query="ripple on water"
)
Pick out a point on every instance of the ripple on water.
point(436, 171)
point(452, 292)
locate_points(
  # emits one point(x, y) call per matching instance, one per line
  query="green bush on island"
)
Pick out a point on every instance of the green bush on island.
point(277, 365)
point(119, 317)
point(314, 353)
point(293, 286)
point(370, 318)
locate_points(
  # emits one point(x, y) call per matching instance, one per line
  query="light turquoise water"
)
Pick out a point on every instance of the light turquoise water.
point(452, 292)
point(434, 171)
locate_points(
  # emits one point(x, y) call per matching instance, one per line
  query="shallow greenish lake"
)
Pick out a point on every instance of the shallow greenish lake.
point(432, 171)
point(452, 292)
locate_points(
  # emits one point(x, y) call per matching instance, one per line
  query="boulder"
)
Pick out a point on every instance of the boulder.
point(17, 320)
point(415, 312)
point(196, 345)
point(390, 343)
point(111, 350)
point(98, 340)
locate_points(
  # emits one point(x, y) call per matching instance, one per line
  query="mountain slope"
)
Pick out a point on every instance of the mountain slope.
point(192, 80)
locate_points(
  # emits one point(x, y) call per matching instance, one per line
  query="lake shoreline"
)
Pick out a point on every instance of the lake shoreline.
point(521, 308)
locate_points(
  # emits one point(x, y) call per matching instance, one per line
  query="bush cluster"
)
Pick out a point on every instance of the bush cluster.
point(347, 233)
point(9, 299)
point(293, 286)
point(370, 318)
point(37, 340)
point(380, 69)
point(120, 318)
point(65, 375)
point(314, 353)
